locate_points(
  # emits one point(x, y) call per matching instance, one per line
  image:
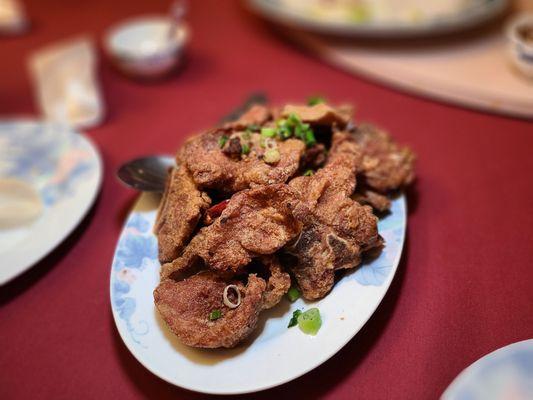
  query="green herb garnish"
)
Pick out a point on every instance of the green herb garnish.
point(293, 294)
point(314, 100)
point(222, 141)
point(215, 314)
point(294, 319)
point(246, 135)
point(309, 172)
point(245, 149)
point(271, 156)
point(253, 128)
point(310, 321)
point(294, 127)
point(268, 132)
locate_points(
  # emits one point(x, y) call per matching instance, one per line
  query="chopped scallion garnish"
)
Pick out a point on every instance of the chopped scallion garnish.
point(309, 172)
point(215, 314)
point(314, 100)
point(253, 128)
point(310, 321)
point(245, 149)
point(222, 141)
point(268, 132)
point(293, 294)
point(294, 318)
point(271, 156)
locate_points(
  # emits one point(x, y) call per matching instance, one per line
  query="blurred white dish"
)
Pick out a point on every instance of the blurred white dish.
point(388, 23)
point(64, 169)
point(20, 203)
point(505, 374)
point(520, 48)
point(147, 47)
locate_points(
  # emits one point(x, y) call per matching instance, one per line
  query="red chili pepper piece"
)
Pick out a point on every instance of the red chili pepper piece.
point(217, 209)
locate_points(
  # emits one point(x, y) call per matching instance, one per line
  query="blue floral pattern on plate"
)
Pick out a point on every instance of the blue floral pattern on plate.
point(49, 156)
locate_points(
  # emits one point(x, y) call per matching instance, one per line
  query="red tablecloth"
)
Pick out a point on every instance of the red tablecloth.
point(465, 284)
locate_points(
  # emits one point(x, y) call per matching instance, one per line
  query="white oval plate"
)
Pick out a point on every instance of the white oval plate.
point(469, 18)
point(65, 169)
point(506, 373)
point(269, 357)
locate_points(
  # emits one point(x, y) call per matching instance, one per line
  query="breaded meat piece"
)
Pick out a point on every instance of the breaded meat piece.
point(320, 114)
point(232, 161)
point(377, 201)
point(338, 229)
point(180, 210)
point(187, 306)
point(257, 114)
point(385, 166)
point(255, 222)
point(278, 282)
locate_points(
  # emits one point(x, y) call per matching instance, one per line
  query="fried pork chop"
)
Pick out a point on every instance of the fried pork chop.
point(229, 169)
point(255, 222)
point(385, 166)
point(338, 229)
point(186, 306)
point(278, 282)
point(179, 212)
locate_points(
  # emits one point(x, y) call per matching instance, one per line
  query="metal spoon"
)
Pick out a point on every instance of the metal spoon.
point(149, 174)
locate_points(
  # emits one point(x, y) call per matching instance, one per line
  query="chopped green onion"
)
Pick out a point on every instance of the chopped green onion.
point(246, 135)
point(271, 156)
point(253, 128)
point(310, 139)
point(310, 321)
point(309, 172)
point(268, 132)
point(293, 294)
point(293, 119)
point(314, 100)
point(245, 149)
point(222, 141)
point(294, 319)
point(215, 314)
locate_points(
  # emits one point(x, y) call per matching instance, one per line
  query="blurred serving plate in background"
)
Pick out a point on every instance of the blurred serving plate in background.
point(380, 18)
point(274, 354)
point(54, 174)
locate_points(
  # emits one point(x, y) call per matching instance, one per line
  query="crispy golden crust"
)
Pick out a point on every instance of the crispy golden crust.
point(278, 282)
point(255, 222)
point(385, 166)
point(179, 212)
point(186, 306)
point(212, 169)
point(338, 229)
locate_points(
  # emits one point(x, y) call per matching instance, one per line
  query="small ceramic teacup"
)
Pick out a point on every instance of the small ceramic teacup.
point(147, 47)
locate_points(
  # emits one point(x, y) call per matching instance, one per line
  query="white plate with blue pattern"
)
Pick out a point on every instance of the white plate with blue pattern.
point(64, 169)
point(506, 373)
point(274, 354)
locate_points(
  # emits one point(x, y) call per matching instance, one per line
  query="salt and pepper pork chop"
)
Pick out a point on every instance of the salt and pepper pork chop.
point(301, 180)
point(230, 161)
point(186, 305)
point(255, 222)
point(180, 210)
point(385, 165)
point(339, 229)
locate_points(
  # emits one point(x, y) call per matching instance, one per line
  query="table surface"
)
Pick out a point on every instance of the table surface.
point(465, 284)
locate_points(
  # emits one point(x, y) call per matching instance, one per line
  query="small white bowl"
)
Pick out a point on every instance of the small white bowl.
point(520, 50)
point(146, 47)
